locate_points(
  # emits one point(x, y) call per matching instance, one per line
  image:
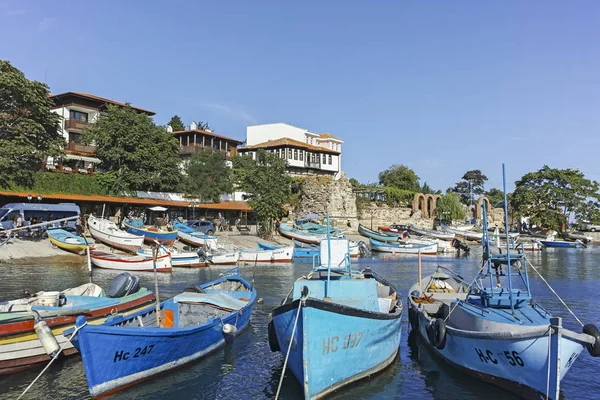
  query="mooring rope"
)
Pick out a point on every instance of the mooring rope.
point(553, 291)
point(77, 328)
point(289, 349)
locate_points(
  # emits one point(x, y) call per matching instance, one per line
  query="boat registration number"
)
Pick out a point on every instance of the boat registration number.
point(488, 356)
point(122, 355)
point(333, 344)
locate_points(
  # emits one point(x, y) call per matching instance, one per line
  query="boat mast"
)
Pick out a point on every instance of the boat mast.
point(510, 291)
point(328, 256)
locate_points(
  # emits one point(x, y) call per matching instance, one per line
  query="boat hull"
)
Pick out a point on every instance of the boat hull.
point(368, 233)
point(279, 255)
point(560, 243)
point(73, 248)
point(137, 264)
point(224, 259)
point(150, 236)
point(335, 345)
point(198, 240)
point(430, 249)
point(119, 356)
point(519, 365)
point(108, 233)
point(21, 349)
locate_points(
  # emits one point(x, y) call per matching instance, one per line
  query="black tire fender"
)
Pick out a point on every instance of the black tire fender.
point(437, 333)
point(273, 343)
point(592, 330)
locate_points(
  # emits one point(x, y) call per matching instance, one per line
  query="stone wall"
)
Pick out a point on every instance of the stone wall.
point(325, 196)
point(384, 215)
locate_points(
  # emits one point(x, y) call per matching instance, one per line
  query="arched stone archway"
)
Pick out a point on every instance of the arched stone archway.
point(419, 203)
point(432, 202)
point(478, 209)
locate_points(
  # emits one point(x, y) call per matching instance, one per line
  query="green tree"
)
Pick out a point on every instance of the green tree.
point(207, 176)
point(495, 196)
point(28, 129)
point(401, 177)
point(204, 126)
point(426, 189)
point(549, 197)
point(267, 184)
point(141, 155)
point(176, 123)
point(450, 208)
point(471, 186)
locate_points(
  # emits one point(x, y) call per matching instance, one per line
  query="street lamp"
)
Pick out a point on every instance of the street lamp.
point(39, 198)
point(29, 197)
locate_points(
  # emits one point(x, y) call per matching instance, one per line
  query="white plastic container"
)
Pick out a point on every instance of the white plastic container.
point(48, 299)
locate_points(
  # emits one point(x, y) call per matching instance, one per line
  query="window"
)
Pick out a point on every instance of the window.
point(324, 159)
point(295, 154)
point(330, 159)
point(301, 155)
point(74, 137)
point(279, 153)
point(78, 115)
point(289, 152)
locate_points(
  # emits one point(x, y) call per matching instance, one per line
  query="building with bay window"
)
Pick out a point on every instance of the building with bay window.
point(306, 152)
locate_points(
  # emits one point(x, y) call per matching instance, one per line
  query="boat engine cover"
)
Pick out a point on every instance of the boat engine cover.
point(123, 285)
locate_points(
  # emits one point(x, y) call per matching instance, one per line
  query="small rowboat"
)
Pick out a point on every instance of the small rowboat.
point(138, 263)
point(184, 259)
point(20, 346)
point(349, 324)
point(278, 255)
point(403, 248)
point(192, 237)
point(150, 234)
point(107, 232)
point(380, 237)
point(433, 234)
point(124, 351)
point(561, 243)
point(302, 236)
point(67, 241)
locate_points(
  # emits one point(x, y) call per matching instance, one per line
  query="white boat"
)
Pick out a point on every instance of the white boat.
point(398, 248)
point(108, 232)
point(184, 259)
point(220, 257)
point(102, 259)
point(448, 236)
point(279, 255)
point(195, 238)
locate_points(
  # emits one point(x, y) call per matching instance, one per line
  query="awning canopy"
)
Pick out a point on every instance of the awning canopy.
point(157, 208)
point(82, 158)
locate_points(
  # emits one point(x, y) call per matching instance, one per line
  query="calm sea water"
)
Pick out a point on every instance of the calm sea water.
point(247, 369)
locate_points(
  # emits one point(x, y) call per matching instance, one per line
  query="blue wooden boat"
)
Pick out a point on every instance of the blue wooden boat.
point(561, 243)
point(399, 248)
point(67, 241)
point(300, 254)
point(193, 237)
point(381, 237)
point(136, 227)
point(492, 328)
point(301, 235)
point(312, 227)
point(126, 350)
point(337, 325)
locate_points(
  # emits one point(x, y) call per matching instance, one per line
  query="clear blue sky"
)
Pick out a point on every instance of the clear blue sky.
point(443, 86)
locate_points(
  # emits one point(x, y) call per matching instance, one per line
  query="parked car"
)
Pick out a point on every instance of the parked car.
point(590, 227)
point(203, 226)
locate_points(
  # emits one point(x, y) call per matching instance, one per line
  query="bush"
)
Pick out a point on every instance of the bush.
point(49, 182)
point(400, 197)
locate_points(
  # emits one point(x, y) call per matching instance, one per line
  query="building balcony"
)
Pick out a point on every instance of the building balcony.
point(75, 124)
point(312, 164)
point(80, 148)
point(190, 150)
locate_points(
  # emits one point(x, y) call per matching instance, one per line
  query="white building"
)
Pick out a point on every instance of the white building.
point(306, 152)
point(78, 110)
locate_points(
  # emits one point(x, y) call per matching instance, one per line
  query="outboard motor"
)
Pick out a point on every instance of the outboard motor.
point(460, 246)
point(202, 254)
point(123, 285)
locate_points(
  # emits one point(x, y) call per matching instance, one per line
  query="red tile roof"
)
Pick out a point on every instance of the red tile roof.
point(227, 205)
point(290, 143)
point(329, 136)
point(207, 133)
point(101, 99)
